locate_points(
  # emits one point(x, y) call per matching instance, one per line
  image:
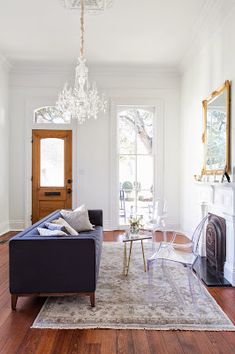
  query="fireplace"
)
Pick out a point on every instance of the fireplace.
point(216, 242)
point(217, 199)
point(211, 268)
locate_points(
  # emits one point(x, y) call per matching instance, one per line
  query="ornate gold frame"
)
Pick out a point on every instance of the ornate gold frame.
point(226, 86)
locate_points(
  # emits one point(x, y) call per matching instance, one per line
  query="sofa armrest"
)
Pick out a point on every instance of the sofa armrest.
point(66, 264)
point(96, 217)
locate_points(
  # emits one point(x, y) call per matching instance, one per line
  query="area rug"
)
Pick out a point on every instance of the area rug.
point(133, 302)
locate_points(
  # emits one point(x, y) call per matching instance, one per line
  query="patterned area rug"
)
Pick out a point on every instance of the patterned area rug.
point(131, 302)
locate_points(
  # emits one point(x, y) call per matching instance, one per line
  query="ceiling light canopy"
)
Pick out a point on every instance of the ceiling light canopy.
point(90, 5)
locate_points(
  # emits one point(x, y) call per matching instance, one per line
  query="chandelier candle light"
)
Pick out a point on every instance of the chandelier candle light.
point(82, 101)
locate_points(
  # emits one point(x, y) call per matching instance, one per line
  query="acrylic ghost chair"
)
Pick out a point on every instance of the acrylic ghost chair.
point(185, 254)
point(157, 221)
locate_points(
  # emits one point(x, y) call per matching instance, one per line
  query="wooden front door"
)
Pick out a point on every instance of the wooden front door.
point(51, 171)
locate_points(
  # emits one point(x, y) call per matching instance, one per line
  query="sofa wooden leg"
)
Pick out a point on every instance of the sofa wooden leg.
point(92, 298)
point(14, 299)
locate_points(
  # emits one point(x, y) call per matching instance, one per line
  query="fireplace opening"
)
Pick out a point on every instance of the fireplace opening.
point(210, 269)
point(216, 242)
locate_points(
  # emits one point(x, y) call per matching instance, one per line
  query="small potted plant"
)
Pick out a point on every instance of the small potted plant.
point(135, 224)
point(127, 187)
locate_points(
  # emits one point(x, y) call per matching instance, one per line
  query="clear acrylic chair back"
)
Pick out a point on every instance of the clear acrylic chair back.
point(197, 234)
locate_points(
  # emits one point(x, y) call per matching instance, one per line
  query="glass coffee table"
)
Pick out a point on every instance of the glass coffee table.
point(127, 237)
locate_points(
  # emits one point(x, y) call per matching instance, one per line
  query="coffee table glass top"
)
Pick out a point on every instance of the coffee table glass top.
point(127, 237)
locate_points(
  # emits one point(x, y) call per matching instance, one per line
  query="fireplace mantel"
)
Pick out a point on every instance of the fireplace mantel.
point(219, 199)
point(216, 185)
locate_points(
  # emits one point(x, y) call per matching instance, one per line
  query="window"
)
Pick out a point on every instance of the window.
point(136, 162)
point(50, 114)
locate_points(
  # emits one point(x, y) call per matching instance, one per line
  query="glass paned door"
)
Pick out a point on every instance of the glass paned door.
point(51, 171)
point(136, 162)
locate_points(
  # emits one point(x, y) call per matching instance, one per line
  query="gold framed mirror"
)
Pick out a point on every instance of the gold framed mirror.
point(216, 131)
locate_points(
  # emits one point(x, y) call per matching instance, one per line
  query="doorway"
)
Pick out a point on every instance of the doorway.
point(51, 172)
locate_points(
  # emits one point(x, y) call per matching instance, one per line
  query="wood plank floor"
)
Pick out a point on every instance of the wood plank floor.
point(17, 337)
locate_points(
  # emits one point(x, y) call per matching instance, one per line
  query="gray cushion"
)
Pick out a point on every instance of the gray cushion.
point(53, 226)
point(46, 232)
point(68, 227)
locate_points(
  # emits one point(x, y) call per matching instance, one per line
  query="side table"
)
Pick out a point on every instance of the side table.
point(132, 238)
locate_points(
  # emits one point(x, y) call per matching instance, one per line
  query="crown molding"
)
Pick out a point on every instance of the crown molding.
point(207, 24)
point(5, 63)
point(133, 69)
point(199, 29)
point(29, 68)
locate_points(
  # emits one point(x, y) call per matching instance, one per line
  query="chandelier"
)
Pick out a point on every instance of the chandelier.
point(82, 101)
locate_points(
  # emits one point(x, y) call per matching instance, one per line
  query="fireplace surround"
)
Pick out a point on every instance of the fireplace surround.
point(218, 199)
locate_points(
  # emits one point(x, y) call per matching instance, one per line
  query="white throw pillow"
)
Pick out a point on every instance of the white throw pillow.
point(78, 218)
point(46, 232)
point(63, 222)
point(80, 208)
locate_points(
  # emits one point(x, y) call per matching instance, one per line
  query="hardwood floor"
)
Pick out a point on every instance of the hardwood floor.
point(16, 336)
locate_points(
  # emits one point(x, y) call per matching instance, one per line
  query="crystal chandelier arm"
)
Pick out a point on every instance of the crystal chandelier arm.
point(82, 29)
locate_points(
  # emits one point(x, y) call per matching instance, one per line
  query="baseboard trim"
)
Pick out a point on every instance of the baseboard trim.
point(16, 225)
point(4, 227)
point(229, 273)
point(19, 225)
point(108, 225)
point(172, 225)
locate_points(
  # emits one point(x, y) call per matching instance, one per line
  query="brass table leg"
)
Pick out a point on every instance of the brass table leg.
point(129, 258)
point(142, 245)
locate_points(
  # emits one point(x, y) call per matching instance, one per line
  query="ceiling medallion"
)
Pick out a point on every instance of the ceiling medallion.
point(92, 6)
point(81, 101)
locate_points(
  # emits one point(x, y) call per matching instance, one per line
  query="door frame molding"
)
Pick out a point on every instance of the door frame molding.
point(30, 106)
point(159, 146)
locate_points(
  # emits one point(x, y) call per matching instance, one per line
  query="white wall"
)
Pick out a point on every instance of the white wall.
point(35, 86)
point(4, 148)
point(210, 63)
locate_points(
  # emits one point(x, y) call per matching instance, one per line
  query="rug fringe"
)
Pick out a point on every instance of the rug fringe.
point(183, 328)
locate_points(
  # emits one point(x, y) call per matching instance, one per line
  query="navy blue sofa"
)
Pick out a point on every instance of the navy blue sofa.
point(55, 265)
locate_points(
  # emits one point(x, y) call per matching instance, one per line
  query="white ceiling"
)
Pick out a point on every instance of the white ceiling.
point(154, 32)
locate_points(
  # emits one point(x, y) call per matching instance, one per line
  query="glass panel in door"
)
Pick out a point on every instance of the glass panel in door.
point(52, 162)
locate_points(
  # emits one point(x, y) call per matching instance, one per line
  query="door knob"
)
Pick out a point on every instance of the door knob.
point(69, 190)
point(69, 180)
